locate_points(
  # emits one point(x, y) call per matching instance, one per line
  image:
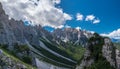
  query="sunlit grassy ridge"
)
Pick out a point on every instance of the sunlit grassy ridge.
point(74, 51)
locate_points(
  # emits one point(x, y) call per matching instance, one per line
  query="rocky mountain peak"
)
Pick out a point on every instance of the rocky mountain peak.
point(1, 10)
point(108, 51)
point(72, 35)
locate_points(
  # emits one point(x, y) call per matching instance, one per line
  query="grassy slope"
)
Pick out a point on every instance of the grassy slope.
point(52, 56)
point(5, 52)
point(45, 59)
point(56, 49)
point(74, 51)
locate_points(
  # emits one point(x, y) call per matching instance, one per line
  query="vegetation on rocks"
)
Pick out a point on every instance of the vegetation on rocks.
point(101, 63)
point(96, 44)
point(19, 49)
point(12, 61)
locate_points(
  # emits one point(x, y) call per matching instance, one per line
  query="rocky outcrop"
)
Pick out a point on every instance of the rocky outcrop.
point(85, 62)
point(8, 63)
point(98, 51)
point(118, 58)
point(108, 51)
point(12, 31)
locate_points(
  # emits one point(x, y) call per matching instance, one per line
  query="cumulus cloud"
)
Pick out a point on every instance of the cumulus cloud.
point(115, 34)
point(92, 18)
point(41, 12)
point(96, 21)
point(79, 17)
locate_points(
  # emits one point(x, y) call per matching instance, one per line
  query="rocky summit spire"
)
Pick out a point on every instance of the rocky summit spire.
point(1, 10)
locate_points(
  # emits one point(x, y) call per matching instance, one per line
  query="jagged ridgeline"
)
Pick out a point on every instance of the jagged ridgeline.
point(32, 47)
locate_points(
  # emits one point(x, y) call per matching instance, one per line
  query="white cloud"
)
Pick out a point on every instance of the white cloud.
point(79, 17)
point(41, 12)
point(67, 16)
point(61, 26)
point(115, 34)
point(96, 21)
point(90, 17)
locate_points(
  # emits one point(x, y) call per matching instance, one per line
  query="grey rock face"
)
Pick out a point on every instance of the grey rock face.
point(12, 31)
point(44, 65)
point(108, 52)
point(85, 62)
point(118, 58)
point(8, 63)
point(72, 35)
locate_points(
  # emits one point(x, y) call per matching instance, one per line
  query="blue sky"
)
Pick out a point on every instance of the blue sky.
point(108, 11)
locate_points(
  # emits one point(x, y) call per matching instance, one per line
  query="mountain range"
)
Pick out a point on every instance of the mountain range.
point(31, 47)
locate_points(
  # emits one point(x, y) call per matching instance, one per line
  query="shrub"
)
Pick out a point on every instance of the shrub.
point(27, 59)
point(4, 46)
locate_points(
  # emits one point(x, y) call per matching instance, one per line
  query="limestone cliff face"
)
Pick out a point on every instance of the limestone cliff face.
point(108, 51)
point(85, 62)
point(118, 58)
point(12, 32)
